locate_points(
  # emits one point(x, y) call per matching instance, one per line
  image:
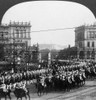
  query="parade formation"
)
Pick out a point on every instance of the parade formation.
point(58, 76)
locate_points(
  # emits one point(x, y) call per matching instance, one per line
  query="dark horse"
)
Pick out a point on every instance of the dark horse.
point(49, 83)
point(4, 94)
point(20, 93)
point(40, 88)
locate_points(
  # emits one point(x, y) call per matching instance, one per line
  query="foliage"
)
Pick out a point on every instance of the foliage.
point(67, 53)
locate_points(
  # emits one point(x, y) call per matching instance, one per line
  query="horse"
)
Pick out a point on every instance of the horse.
point(73, 81)
point(84, 78)
point(41, 88)
point(20, 93)
point(88, 73)
point(68, 83)
point(49, 83)
point(4, 94)
point(77, 80)
point(81, 79)
point(93, 72)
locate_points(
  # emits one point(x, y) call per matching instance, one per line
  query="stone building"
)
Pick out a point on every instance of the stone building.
point(20, 31)
point(4, 34)
point(85, 41)
point(3, 40)
point(16, 38)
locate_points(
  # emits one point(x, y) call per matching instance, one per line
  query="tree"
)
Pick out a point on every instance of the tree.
point(68, 53)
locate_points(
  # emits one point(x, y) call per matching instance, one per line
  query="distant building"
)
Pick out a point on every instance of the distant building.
point(85, 41)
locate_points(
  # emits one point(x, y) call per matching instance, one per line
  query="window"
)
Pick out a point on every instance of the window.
point(88, 44)
point(24, 33)
point(92, 44)
point(17, 32)
point(21, 33)
point(88, 35)
point(92, 34)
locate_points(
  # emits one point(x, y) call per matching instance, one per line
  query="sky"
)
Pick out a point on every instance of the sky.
point(46, 15)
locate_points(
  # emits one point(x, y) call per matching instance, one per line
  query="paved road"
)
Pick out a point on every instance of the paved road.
point(87, 92)
point(80, 94)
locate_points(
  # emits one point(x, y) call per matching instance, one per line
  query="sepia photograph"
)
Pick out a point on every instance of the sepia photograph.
point(47, 50)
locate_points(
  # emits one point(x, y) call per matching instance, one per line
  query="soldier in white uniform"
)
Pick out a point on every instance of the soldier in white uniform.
point(3, 86)
point(23, 86)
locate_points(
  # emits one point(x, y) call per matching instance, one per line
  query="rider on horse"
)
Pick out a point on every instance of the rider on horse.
point(21, 85)
point(3, 86)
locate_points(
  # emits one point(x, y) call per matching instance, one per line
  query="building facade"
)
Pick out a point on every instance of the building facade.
point(85, 41)
point(15, 41)
point(3, 40)
point(20, 31)
point(16, 38)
